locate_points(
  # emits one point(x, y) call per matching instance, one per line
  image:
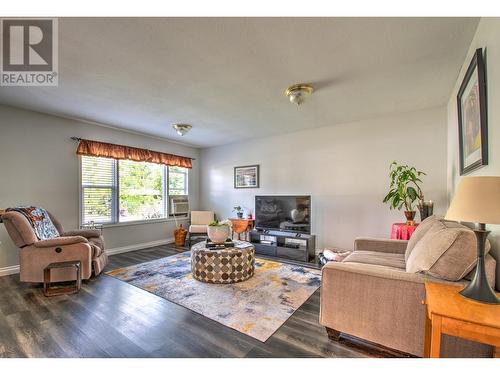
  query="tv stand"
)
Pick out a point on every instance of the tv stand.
point(288, 245)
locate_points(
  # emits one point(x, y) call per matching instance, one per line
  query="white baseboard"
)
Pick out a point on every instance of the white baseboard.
point(125, 249)
point(11, 270)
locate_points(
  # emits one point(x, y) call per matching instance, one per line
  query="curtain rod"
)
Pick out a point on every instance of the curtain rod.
point(78, 139)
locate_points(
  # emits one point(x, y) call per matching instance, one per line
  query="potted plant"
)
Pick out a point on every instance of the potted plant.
point(404, 189)
point(239, 211)
point(219, 231)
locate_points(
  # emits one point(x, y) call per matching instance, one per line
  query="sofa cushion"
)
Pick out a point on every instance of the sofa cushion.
point(419, 233)
point(377, 258)
point(446, 251)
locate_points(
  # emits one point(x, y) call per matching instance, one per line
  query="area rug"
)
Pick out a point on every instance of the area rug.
point(256, 307)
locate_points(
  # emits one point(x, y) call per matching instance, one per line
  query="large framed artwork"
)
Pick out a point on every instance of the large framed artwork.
point(246, 177)
point(472, 121)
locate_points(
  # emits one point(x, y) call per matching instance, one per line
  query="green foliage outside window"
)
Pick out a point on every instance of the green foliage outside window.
point(177, 181)
point(141, 190)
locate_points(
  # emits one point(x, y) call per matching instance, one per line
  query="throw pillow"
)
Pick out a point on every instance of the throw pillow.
point(447, 251)
point(419, 233)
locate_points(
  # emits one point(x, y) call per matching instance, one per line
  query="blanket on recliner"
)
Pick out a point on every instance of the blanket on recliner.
point(39, 219)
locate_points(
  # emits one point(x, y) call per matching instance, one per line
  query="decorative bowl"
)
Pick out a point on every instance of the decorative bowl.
point(218, 233)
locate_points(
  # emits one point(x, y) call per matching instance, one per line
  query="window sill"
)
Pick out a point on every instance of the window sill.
point(142, 222)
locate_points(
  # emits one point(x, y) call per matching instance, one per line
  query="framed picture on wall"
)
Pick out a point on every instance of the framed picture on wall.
point(246, 177)
point(472, 121)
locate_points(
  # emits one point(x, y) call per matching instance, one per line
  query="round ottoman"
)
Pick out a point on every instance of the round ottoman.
point(223, 266)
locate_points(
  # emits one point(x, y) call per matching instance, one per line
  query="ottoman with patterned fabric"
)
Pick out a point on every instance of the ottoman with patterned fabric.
point(223, 266)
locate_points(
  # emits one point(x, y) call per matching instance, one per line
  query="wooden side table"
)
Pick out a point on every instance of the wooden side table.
point(242, 226)
point(49, 292)
point(450, 313)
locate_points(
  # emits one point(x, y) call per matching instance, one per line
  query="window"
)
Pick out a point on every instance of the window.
point(141, 187)
point(124, 190)
point(98, 190)
point(177, 181)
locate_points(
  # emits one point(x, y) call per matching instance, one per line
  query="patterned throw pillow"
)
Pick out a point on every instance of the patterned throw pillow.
point(39, 219)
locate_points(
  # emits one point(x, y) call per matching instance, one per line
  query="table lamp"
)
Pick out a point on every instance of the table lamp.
point(477, 200)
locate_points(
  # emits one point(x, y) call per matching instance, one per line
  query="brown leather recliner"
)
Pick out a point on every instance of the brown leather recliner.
point(86, 245)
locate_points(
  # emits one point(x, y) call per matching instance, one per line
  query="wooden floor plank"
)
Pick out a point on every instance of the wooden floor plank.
point(110, 318)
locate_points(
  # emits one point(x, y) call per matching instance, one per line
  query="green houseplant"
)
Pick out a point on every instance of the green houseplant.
point(404, 189)
point(239, 211)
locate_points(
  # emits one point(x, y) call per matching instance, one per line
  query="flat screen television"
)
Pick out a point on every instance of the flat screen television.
point(289, 213)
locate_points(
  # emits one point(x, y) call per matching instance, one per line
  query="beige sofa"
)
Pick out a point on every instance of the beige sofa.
point(85, 245)
point(376, 293)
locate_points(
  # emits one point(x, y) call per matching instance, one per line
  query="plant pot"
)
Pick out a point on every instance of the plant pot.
point(218, 233)
point(240, 215)
point(410, 217)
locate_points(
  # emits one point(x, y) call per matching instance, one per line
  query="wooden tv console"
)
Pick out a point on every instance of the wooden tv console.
point(288, 245)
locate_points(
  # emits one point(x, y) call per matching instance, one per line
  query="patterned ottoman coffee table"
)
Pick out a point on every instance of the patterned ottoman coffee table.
point(223, 266)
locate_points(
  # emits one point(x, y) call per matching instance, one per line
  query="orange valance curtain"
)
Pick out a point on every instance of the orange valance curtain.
point(109, 150)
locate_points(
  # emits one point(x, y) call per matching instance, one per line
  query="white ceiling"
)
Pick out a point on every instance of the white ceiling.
point(226, 76)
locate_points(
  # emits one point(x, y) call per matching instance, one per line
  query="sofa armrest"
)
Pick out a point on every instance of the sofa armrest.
point(87, 233)
point(381, 245)
point(60, 241)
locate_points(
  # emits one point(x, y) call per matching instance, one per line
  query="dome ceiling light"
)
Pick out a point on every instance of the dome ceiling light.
point(182, 129)
point(298, 93)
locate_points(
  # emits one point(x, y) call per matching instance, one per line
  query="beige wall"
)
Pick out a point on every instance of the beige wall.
point(487, 37)
point(38, 166)
point(344, 168)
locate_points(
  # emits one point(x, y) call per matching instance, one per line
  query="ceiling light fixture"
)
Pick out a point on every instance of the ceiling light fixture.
point(182, 129)
point(298, 93)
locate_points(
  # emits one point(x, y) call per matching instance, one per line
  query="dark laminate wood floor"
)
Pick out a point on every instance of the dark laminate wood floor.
point(110, 318)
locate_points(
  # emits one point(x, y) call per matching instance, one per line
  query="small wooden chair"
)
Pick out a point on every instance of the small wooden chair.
point(199, 224)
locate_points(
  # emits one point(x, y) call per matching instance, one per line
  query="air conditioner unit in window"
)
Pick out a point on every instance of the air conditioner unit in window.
point(179, 205)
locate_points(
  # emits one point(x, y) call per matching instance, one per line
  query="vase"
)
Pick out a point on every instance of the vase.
point(180, 235)
point(218, 233)
point(297, 216)
point(426, 209)
point(410, 216)
point(240, 215)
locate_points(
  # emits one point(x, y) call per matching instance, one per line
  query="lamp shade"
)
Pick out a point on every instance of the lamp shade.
point(476, 200)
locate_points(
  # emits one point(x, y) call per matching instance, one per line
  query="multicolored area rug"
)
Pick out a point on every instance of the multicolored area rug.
point(256, 307)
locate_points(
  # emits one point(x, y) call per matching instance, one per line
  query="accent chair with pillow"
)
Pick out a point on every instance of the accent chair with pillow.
point(377, 292)
point(42, 240)
point(199, 224)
